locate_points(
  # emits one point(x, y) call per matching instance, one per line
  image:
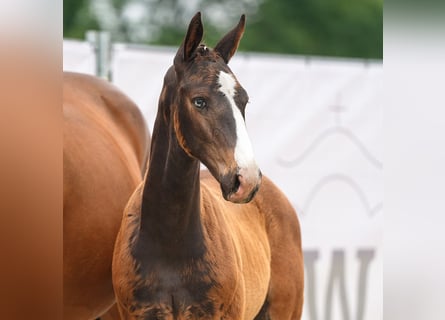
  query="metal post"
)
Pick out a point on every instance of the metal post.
point(100, 40)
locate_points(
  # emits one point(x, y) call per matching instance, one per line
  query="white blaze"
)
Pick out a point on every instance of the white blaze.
point(243, 149)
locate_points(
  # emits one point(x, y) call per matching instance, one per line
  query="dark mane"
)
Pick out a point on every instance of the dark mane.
point(205, 53)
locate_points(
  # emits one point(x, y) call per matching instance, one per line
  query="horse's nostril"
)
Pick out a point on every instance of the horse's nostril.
point(237, 183)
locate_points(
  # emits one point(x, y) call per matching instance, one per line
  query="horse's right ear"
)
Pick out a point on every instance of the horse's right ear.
point(191, 42)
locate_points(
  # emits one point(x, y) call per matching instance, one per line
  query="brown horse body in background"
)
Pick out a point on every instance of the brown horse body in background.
point(184, 252)
point(106, 146)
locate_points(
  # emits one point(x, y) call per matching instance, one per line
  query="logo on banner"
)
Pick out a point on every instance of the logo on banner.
point(336, 283)
point(339, 177)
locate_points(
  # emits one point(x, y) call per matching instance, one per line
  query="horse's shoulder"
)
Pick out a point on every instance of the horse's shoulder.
point(134, 203)
point(130, 225)
point(209, 186)
point(270, 195)
point(281, 217)
point(131, 218)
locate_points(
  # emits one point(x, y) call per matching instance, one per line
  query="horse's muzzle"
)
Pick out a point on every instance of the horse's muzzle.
point(242, 186)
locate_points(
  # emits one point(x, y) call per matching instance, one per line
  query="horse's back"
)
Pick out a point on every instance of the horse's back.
point(101, 104)
point(105, 150)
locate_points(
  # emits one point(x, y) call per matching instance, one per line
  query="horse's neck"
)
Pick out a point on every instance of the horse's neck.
point(170, 210)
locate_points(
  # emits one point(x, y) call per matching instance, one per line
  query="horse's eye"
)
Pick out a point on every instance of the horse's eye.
point(199, 103)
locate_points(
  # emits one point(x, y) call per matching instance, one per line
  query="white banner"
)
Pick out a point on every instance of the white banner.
point(315, 125)
point(79, 56)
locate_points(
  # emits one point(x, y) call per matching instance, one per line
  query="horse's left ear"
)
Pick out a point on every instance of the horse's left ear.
point(227, 46)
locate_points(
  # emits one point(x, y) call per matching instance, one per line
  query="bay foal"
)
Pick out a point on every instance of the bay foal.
point(183, 250)
point(105, 148)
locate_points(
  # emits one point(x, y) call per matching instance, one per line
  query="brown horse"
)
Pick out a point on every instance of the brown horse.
point(105, 149)
point(183, 251)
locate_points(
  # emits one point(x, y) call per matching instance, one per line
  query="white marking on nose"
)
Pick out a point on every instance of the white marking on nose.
point(243, 149)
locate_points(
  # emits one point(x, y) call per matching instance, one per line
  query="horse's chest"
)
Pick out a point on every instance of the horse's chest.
point(192, 291)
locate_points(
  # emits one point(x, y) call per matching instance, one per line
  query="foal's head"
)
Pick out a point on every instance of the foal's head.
point(207, 111)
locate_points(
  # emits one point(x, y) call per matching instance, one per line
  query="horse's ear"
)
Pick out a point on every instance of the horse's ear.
point(192, 40)
point(227, 46)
